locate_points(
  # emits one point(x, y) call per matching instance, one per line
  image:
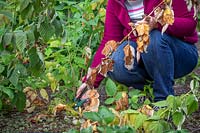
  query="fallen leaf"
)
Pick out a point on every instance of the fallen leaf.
point(58, 108)
point(88, 124)
point(44, 94)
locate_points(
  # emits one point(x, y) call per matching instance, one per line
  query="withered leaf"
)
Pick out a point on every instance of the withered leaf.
point(129, 55)
point(93, 104)
point(58, 108)
point(88, 124)
point(109, 47)
point(92, 78)
point(147, 110)
point(122, 103)
point(106, 65)
point(168, 16)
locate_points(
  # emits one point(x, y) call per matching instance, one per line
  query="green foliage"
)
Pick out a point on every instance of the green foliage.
point(39, 38)
point(103, 116)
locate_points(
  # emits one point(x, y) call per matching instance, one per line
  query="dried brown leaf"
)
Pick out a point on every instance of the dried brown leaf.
point(106, 65)
point(92, 78)
point(129, 55)
point(122, 103)
point(93, 98)
point(58, 108)
point(109, 47)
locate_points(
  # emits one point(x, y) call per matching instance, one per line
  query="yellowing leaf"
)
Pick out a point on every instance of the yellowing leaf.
point(58, 108)
point(44, 94)
point(147, 110)
point(168, 16)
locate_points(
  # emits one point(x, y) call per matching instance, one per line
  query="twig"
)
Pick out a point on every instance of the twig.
point(156, 8)
point(147, 15)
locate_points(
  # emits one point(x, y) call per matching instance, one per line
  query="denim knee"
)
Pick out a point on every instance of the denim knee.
point(121, 74)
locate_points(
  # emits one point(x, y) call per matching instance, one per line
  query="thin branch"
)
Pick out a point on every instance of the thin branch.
point(147, 15)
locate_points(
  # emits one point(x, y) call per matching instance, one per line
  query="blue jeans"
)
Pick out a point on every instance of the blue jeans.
point(167, 58)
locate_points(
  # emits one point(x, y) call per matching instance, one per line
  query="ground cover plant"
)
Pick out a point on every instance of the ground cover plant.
point(46, 47)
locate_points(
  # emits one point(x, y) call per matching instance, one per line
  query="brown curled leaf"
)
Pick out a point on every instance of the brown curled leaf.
point(129, 55)
point(106, 65)
point(122, 103)
point(109, 47)
point(93, 104)
point(91, 80)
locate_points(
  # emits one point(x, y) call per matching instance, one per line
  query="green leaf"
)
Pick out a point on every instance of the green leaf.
point(46, 30)
point(178, 118)
point(73, 131)
point(134, 92)
point(7, 38)
point(24, 4)
point(14, 77)
point(109, 101)
point(8, 14)
point(7, 57)
point(118, 95)
point(20, 101)
point(20, 40)
point(110, 87)
point(194, 85)
point(30, 37)
point(94, 116)
point(171, 102)
point(27, 12)
point(9, 92)
point(2, 68)
point(192, 104)
point(161, 103)
point(35, 66)
point(140, 120)
point(155, 127)
point(58, 27)
point(106, 114)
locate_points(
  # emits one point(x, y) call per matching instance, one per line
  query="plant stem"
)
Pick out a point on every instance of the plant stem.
point(147, 15)
point(156, 8)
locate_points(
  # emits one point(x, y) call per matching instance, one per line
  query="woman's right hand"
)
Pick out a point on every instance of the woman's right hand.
point(83, 86)
point(80, 91)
